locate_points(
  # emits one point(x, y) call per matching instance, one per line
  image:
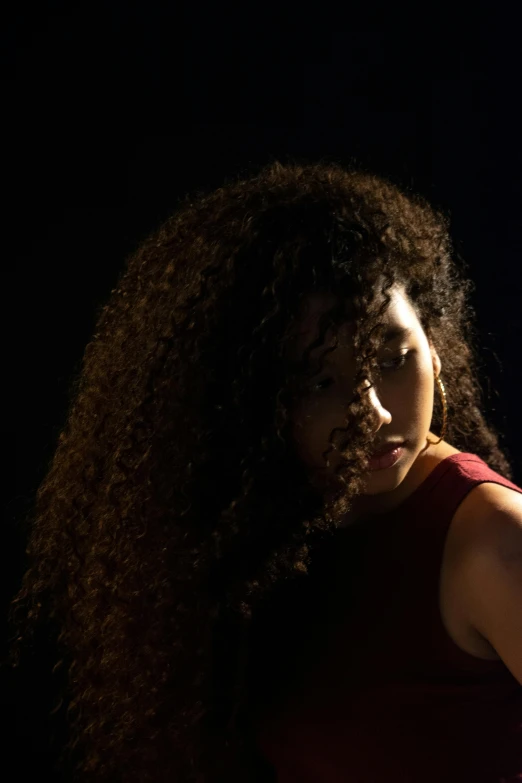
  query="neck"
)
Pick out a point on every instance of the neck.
point(366, 505)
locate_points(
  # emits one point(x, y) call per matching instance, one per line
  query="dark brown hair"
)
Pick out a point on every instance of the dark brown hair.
point(174, 503)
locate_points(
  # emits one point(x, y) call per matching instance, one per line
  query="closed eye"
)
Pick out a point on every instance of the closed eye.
point(389, 365)
point(397, 363)
point(327, 381)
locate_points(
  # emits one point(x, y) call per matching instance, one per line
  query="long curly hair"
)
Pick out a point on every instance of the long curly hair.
point(174, 509)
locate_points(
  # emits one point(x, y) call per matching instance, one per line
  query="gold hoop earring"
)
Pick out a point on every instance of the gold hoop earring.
point(442, 392)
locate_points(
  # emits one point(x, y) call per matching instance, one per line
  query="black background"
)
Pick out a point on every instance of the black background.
point(111, 113)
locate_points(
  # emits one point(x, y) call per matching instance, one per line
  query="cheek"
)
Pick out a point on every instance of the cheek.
point(312, 423)
point(301, 425)
point(420, 391)
point(408, 393)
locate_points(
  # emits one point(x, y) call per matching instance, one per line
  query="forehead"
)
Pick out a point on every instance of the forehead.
point(399, 313)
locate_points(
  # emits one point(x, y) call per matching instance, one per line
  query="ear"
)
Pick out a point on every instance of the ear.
point(437, 364)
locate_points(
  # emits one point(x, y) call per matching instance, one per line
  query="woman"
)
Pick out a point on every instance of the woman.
point(240, 588)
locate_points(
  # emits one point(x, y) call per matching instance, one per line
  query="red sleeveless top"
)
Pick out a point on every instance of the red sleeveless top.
point(395, 700)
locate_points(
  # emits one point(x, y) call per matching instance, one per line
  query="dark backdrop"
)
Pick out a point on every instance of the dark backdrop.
point(111, 113)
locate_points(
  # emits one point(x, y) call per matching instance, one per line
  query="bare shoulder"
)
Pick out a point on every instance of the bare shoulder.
point(480, 526)
point(491, 571)
point(485, 504)
point(499, 497)
point(481, 505)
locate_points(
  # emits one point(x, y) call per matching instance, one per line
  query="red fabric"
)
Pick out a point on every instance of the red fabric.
point(409, 705)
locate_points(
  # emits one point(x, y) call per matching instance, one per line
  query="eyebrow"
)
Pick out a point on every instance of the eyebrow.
point(396, 331)
point(392, 333)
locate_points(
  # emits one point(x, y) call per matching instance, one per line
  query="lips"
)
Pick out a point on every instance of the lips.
point(387, 448)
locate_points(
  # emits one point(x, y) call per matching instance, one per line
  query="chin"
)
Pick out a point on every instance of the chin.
point(388, 479)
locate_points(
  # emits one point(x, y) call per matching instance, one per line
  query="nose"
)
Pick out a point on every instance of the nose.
point(384, 415)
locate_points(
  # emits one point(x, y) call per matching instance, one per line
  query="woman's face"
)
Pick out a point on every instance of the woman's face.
point(403, 397)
